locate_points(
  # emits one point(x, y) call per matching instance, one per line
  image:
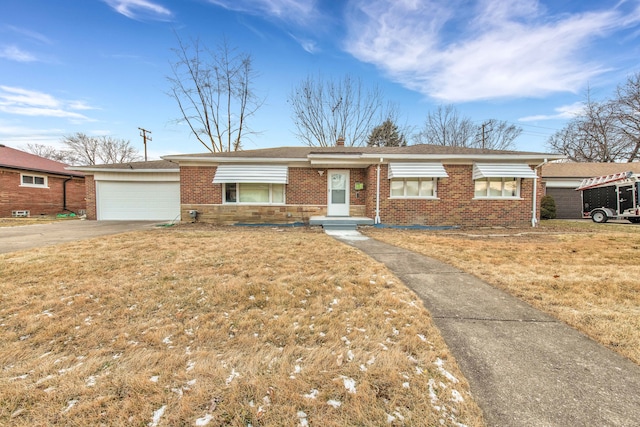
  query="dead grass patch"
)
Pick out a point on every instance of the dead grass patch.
point(585, 274)
point(219, 326)
point(15, 222)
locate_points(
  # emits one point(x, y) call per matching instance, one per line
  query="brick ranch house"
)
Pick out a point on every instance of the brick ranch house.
point(31, 185)
point(414, 185)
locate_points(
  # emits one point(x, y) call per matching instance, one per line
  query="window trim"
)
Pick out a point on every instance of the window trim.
point(502, 180)
point(238, 202)
point(419, 180)
point(45, 180)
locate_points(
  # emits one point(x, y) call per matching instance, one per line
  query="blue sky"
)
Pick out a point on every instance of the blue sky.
point(100, 66)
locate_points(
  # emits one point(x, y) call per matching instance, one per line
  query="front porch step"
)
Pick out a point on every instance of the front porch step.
point(336, 226)
point(340, 221)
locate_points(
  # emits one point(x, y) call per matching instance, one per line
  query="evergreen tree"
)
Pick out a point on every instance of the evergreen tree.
point(386, 135)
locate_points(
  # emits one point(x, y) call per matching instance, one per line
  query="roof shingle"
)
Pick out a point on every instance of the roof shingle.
point(16, 159)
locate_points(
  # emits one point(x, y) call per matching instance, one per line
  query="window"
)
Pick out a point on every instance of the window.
point(497, 188)
point(254, 193)
point(33, 181)
point(413, 187)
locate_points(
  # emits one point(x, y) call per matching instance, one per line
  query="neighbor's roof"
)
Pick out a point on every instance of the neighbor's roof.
point(586, 170)
point(305, 152)
point(16, 159)
point(149, 166)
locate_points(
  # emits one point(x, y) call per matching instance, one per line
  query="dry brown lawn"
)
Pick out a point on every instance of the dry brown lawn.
point(15, 222)
point(219, 326)
point(585, 274)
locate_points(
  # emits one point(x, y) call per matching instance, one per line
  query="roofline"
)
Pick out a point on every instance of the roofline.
point(179, 158)
point(129, 170)
point(366, 157)
point(46, 171)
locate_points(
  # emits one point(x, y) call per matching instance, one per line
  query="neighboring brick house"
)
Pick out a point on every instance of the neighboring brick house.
point(414, 185)
point(32, 185)
point(561, 180)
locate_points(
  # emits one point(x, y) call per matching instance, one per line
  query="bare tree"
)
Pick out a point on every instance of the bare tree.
point(323, 110)
point(386, 135)
point(594, 135)
point(51, 153)
point(445, 126)
point(213, 89)
point(496, 135)
point(627, 104)
point(93, 150)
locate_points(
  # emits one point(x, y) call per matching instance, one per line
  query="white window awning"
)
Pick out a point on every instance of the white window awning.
point(416, 170)
point(269, 174)
point(502, 170)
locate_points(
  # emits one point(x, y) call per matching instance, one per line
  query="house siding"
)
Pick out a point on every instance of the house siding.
point(306, 196)
point(40, 201)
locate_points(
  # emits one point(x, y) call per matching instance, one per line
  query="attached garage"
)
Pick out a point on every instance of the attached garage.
point(147, 191)
point(143, 200)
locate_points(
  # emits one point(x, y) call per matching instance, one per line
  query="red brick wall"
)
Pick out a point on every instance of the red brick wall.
point(91, 197)
point(39, 201)
point(306, 195)
point(455, 204)
point(196, 185)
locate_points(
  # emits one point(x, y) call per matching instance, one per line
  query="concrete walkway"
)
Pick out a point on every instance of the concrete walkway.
point(525, 368)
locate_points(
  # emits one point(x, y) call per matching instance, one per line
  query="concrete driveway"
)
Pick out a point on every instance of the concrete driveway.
point(39, 235)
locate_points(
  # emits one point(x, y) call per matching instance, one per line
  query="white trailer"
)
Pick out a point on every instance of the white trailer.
point(611, 197)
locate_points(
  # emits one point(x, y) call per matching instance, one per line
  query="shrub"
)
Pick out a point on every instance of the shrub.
point(547, 207)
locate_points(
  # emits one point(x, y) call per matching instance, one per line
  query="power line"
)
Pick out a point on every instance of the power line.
point(143, 134)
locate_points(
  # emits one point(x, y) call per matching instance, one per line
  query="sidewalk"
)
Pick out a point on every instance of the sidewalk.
point(525, 368)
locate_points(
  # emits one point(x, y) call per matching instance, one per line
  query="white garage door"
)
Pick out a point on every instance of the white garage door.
point(127, 200)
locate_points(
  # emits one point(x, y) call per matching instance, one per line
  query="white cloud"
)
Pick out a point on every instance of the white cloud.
point(24, 102)
point(295, 11)
point(14, 53)
point(33, 35)
point(456, 52)
point(564, 112)
point(136, 9)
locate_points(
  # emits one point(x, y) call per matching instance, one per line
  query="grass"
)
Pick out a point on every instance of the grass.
point(16, 222)
point(219, 326)
point(585, 274)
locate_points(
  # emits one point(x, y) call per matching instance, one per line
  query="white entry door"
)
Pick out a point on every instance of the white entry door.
point(338, 199)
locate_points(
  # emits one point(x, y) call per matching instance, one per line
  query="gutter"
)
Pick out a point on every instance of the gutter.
point(377, 218)
point(64, 193)
point(534, 201)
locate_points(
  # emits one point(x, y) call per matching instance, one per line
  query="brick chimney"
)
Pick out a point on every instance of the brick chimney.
point(340, 142)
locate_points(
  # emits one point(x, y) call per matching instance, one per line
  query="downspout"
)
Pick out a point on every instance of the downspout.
point(377, 219)
point(64, 193)
point(534, 217)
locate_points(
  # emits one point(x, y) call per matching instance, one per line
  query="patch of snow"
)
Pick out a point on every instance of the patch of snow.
point(154, 379)
point(334, 403)
point(70, 405)
point(390, 419)
point(371, 361)
point(204, 420)
point(440, 363)
point(350, 356)
point(157, 415)
point(405, 385)
point(422, 337)
point(190, 365)
point(233, 375)
point(384, 347)
point(302, 417)
point(349, 384)
point(456, 396)
point(91, 381)
point(167, 340)
point(432, 393)
point(346, 341)
point(312, 394)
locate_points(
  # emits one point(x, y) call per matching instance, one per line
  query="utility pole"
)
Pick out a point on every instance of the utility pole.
point(483, 125)
point(143, 134)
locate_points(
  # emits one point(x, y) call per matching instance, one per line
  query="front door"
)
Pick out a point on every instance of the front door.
point(338, 198)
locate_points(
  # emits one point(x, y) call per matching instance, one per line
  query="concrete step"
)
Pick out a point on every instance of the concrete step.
point(340, 226)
